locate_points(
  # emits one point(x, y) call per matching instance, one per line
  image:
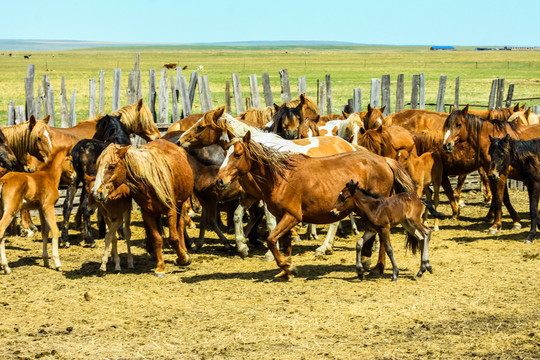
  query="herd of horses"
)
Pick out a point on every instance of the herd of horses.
point(285, 163)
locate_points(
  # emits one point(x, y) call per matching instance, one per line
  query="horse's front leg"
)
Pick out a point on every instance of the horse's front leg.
point(534, 193)
point(457, 191)
point(513, 213)
point(447, 187)
point(361, 263)
point(49, 219)
point(497, 189)
point(155, 241)
point(328, 245)
point(6, 219)
point(86, 223)
point(67, 208)
point(484, 180)
point(127, 234)
point(282, 228)
point(385, 239)
point(239, 237)
point(176, 236)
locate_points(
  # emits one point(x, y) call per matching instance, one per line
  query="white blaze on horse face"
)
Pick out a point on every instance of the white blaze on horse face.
point(446, 136)
point(356, 130)
point(310, 133)
point(46, 133)
point(99, 180)
point(224, 137)
point(227, 156)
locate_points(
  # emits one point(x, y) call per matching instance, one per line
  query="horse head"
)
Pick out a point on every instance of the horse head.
point(205, 132)
point(145, 125)
point(237, 162)
point(111, 171)
point(41, 144)
point(287, 120)
point(344, 199)
point(7, 157)
point(455, 128)
point(309, 128)
point(374, 117)
point(499, 151)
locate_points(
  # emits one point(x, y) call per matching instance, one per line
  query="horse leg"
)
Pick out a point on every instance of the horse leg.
point(176, 237)
point(67, 208)
point(457, 190)
point(328, 245)
point(27, 226)
point(239, 237)
point(152, 232)
point(107, 242)
point(513, 213)
point(484, 181)
point(212, 216)
point(6, 219)
point(202, 228)
point(497, 189)
point(385, 239)
point(127, 235)
point(284, 225)
point(87, 229)
point(416, 228)
point(271, 225)
point(436, 182)
point(47, 214)
point(361, 266)
point(354, 228)
point(312, 232)
point(447, 187)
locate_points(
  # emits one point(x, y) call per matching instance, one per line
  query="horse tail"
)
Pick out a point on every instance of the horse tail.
point(431, 209)
point(412, 243)
point(402, 179)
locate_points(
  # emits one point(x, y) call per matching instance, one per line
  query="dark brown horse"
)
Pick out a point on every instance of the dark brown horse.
point(288, 183)
point(160, 180)
point(524, 157)
point(290, 115)
point(387, 141)
point(382, 213)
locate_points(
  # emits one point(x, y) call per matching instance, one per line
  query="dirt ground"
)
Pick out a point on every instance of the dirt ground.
point(482, 301)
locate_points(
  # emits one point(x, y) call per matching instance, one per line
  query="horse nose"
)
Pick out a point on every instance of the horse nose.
point(334, 213)
point(220, 184)
point(493, 176)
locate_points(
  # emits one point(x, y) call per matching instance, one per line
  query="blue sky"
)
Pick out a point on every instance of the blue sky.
point(413, 22)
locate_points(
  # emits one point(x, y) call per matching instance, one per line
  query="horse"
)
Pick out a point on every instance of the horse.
point(425, 169)
point(116, 210)
point(289, 181)
point(469, 135)
point(289, 116)
point(373, 118)
point(8, 161)
point(523, 156)
point(178, 127)
point(109, 129)
point(524, 118)
point(217, 127)
point(22, 141)
point(380, 214)
point(496, 114)
point(39, 191)
point(417, 119)
point(387, 141)
point(160, 180)
point(259, 117)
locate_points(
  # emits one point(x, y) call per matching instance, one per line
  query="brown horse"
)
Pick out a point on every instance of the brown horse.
point(382, 213)
point(471, 134)
point(160, 180)
point(116, 210)
point(524, 118)
point(259, 117)
point(289, 116)
point(387, 141)
point(417, 119)
point(37, 191)
point(181, 125)
point(288, 183)
point(496, 114)
point(373, 118)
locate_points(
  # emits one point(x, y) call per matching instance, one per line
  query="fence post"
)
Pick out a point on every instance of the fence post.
point(375, 93)
point(101, 102)
point(72, 113)
point(29, 89)
point(456, 96)
point(255, 97)
point(322, 97)
point(400, 93)
point(285, 86)
point(491, 102)
point(50, 106)
point(131, 90)
point(92, 99)
point(422, 91)
point(510, 95)
point(204, 94)
point(357, 100)
point(329, 108)
point(302, 86)
point(116, 89)
point(194, 79)
point(267, 89)
point(46, 84)
point(11, 113)
point(64, 111)
point(175, 115)
point(184, 95)
point(163, 98)
point(138, 82)
point(385, 95)
point(152, 93)
point(37, 103)
point(414, 92)
point(440, 94)
point(20, 114)
point(228, 97)
point(536, 109)
point(500, 93)
point(237, 89)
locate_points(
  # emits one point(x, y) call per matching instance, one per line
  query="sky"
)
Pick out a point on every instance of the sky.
point(389, 22)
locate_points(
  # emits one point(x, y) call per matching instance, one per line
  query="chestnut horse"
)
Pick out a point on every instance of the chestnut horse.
point(8, 161)
point(387, 141)
point(36, 191)
point(524, 157)
point(524, 118)
point(468, 136)
point(289, 181)
point(289, 116)
point(382, 213)
point(160, 180)
point(217, 127)
point(417, 119)
point(259, 117)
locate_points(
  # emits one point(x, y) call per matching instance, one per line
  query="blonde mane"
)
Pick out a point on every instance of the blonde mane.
point(135, 121)
point(146, 165)
point(20, 139)
point(525, 120)
point(238, 128)
point(350, 127)
point(261, 117)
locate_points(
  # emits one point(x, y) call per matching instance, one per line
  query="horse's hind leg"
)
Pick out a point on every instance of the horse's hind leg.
point(127, 235)
point(423, 234)
point(47, 213)
point(484, 181)
point(457, 191)
point(354, 228)
point(534, 193)
point(176, 237)
point(385, 239)
point(67, 208)
point(447, 187)
point(27, 226)
point(328, 245)
point(6, 219)
point(361, 266)
point(87, 228)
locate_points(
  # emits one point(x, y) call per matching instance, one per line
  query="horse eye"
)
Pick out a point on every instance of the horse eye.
point(200, 128)
point(458, 125)
point(238, 156)
point(111, 167)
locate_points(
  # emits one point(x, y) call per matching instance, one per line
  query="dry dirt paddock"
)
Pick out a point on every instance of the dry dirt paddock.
point(482, 301)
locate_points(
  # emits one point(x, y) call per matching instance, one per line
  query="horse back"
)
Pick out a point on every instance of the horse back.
point(417, 119)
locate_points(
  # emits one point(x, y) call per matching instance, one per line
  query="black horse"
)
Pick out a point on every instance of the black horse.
point(7, 159)
point(85, 153)
point(524, 157)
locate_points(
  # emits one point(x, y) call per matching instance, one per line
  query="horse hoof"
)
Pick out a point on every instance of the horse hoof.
point(493, 231)
point(528, 241)
point(429, 268)
point(293, 270)
point(159, 275)
point(268, 256)
point(243, 251)
point(420, 273)
point(296, 239)
point(7, 271)
point(283, 275)
point(517, 226)
point(188, 262)
point(59, 268)
point(361, 274)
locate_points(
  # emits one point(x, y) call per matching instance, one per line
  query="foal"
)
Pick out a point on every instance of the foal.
point(35, 191)
point(380, 214)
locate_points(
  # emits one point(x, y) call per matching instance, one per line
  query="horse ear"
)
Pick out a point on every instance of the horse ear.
point(218, 113)
point(302, 98)
point(46, 119)
point(247, 137)
point(316, 121)
point(345, 114)
point(122, 151)
point(516, 108)
point(369, 108)
point(32, 121)
point(139, 104)
point(527, 112)
point(465, 110)
point(276, 107)
point(382, 109)
point(490, 138)
point(380, 129)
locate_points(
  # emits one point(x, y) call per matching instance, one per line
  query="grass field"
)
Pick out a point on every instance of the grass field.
point(349, 66)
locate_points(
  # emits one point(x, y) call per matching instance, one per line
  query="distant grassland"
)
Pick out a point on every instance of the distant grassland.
point(349, 66)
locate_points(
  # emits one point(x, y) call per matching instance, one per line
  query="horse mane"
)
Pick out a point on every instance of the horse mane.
point(524, 148)
point(135, 120)
point(376, 142)
point(307, 101)
point(368, 193)
point(274, 162)
point(147, 165)
point(19, 138)
point(50, 164)
point(500, 114)
point(284, 112)
point(236, 127)
point(346, 127)
point(427, 141)
point(257, 116)
point(110, 129)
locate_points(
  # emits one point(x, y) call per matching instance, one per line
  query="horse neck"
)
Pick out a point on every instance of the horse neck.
point(365, 204)
point(237, 128)
point(53, 167)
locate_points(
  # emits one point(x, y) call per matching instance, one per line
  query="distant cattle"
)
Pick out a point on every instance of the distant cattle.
point(27, 56)
point(170, 66)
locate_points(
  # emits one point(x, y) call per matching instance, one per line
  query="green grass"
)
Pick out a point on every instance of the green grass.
point(349, 66)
